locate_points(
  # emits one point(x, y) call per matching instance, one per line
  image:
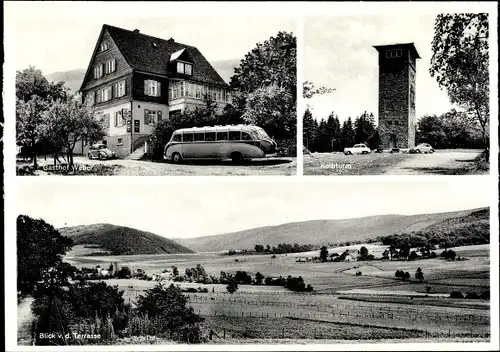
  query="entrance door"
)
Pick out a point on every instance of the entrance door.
point(392, 141)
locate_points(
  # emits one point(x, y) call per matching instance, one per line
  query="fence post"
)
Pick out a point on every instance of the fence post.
point(224, 333)
point(283, 333)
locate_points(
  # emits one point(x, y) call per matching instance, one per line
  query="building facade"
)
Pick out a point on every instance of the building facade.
point(134, 80)
point(396, 98)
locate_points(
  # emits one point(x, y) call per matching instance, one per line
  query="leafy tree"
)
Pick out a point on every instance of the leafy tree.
point(175, 270)
point(264, 86)
point(363, 252)
point(232, 287)
point(273, 108)
point(30, 123)
point(259, 248)
point(70, 122)
point(258, 278)
point(419, 275)
point(385, 254)
point(413, 255)
point(168, 307)
point(309, 90)
point(404, 252)
point(323, 254)
point(399, 274)
point(460, 63)
point(406, 276)
point(40, 248)
point(31, 82)
point(243, 278)
point(124, 273)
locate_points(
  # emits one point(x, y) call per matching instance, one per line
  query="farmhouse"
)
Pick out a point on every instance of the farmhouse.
point(396, 98)
point(134, 80)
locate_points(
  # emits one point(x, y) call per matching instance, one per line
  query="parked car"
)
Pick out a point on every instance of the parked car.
point(357, 149)
point(100, 151)
point(424, 148)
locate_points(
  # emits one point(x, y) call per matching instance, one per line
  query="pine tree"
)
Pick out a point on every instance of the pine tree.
point(309, 130)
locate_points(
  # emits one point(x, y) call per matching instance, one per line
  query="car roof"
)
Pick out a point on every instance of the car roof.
point(218, 128)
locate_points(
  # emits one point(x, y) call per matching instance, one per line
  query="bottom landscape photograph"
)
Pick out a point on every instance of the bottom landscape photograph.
point(258, 262)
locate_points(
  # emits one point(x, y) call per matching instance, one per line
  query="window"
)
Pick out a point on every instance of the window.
point(187, 137)
point(393, 53)
point(184, 68)
point(222, 136)
point(152, 88)
point(120, 141)
point(177, 138)
point(245, 136)
point(150, 117)
point(234, 135)
point(104, 46)
point(98, 71)
point(120, 89)
point(199, 136)
point(107, 93)
point(119, 120)
point(209, 136)
point(110, 66)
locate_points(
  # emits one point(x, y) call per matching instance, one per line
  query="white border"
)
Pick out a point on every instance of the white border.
point(299, 10)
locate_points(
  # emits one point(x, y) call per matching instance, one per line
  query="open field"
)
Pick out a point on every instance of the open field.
point(442, 162)
point(269, 166)
point(344, 306)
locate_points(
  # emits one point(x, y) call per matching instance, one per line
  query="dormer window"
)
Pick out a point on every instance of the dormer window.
point(104, 47)
point(184, 68)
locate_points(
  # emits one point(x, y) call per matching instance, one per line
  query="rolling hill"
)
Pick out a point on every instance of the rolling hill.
point(321, 231)
point(121, 240)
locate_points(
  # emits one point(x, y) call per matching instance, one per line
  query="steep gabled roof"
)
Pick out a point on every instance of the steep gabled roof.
point(152, 55)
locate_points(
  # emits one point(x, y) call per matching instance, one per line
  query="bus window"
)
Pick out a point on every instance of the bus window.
point(199, 136)
point(187, 137)
point(222, 136)
point(177, 138)
point(209, 136)
point(234, 135)
point(246, 137)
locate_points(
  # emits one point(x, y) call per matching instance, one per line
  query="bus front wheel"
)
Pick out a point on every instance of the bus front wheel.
point(177, 158)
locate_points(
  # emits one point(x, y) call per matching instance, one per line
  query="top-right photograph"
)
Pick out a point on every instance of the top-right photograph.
point(396, 95)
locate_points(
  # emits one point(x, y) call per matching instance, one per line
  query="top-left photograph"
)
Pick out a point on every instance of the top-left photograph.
point(99, 93)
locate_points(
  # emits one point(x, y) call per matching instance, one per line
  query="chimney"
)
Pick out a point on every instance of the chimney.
point(136, 31)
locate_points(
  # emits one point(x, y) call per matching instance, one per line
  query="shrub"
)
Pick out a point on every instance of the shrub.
point(167, 306)
point(433, 255)
point(232, 287)
point(456, 294)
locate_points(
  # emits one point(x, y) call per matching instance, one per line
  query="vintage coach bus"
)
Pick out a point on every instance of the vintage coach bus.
point(235, 142)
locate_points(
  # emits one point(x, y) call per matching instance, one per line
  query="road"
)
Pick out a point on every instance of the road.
point(440, 163)
point(124, 167)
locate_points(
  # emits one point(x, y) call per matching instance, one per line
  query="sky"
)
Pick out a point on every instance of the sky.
point(339, 53)
point(198, 207)
point(60, 36)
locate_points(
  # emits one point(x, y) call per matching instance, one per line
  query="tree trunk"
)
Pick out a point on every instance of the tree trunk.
point(33, 152)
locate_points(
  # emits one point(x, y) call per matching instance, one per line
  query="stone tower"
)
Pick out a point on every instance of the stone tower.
point(396, 97)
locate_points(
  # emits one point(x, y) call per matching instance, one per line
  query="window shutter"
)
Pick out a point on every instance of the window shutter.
point(146, 116)
point(124, 87)
point(114, 64)
point(159, 89)
point(146, 84)
point(116, 118)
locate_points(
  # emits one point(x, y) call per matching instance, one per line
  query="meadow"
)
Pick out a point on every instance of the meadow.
point(343, 305)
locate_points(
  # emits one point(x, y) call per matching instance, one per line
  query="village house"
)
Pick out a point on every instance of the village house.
point(134, 80)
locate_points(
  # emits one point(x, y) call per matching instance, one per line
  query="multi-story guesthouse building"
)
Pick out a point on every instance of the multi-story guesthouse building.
point(134, 80)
